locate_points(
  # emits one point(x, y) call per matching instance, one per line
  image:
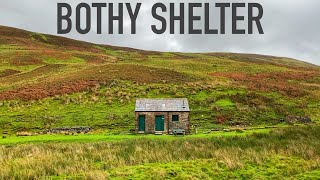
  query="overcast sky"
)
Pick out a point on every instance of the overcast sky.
point(291, 27)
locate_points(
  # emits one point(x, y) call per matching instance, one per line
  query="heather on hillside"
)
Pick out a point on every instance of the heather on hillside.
point(252, 116)
point(48, 82)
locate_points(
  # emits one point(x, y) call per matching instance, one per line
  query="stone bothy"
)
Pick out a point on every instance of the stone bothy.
point(160, 116)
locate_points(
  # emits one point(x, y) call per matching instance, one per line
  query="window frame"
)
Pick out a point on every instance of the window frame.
point(177, 119)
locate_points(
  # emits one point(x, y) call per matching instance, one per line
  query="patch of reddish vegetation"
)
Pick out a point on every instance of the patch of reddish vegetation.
point(86, 79)
point(23, 59)
point(8, 72)
point(268, 82)
point(221, 119)
point(39, 92)
point(56, 54)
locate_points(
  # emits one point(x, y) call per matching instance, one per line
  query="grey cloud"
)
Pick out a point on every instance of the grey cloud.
point(291, 28)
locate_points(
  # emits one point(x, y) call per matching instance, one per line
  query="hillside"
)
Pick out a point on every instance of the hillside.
point(48, 81)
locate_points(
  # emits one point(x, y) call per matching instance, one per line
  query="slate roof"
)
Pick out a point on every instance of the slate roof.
point(161, 105)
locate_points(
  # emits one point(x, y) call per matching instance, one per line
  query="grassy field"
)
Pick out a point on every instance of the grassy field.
point(13, 140)
point(283, 153)
point(48, 82)
point(52, 82)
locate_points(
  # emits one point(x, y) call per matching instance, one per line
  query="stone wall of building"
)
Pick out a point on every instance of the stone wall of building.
point(183, 123)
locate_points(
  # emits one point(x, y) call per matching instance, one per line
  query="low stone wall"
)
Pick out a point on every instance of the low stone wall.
point(68, 130)
point(297, 119)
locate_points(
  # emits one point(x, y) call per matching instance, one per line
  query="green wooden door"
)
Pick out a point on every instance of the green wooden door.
point(159, 123)
point(142, 123)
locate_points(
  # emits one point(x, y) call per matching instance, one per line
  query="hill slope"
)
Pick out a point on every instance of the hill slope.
point(48, 81)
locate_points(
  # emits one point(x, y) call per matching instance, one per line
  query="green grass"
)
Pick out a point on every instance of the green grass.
point(215, 101)
point(218, 94)
point(12, 140)
point(284, 153)
point(275, 167)
point(225, 103)
point(111, 108)
point(19, 68)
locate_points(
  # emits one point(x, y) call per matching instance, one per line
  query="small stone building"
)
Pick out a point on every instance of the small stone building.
point(160, 116)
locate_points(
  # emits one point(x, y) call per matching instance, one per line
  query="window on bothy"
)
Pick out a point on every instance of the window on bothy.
point(175, 117)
